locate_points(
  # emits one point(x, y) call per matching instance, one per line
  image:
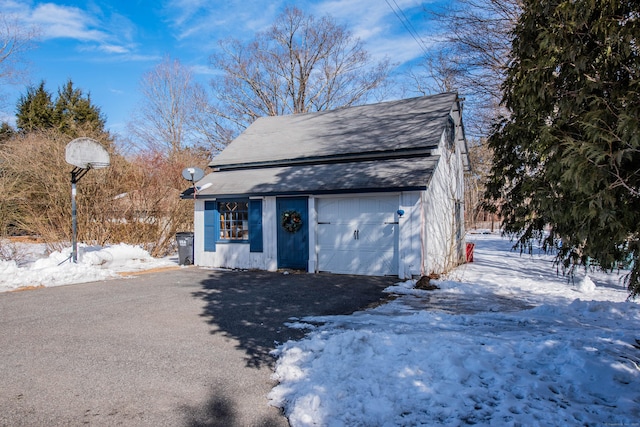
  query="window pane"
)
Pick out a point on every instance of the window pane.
point(234, 219)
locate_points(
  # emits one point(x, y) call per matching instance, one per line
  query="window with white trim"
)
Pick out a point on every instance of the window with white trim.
point(234, 220)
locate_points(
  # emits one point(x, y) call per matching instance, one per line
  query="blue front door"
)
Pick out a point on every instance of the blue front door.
point(293, 246)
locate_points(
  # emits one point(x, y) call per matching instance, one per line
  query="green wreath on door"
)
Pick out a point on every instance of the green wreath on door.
point(291, 221)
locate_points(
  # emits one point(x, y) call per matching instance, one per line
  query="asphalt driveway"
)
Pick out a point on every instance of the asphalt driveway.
point(187, 347)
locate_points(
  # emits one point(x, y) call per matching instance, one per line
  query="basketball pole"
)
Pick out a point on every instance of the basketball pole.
point(83, 154)
point(76, 174)
point(74, 222)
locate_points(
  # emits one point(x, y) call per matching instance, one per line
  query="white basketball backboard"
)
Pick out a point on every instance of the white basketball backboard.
point(86, 153)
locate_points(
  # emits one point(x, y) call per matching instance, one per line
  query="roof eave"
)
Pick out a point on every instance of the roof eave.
point(308, 193)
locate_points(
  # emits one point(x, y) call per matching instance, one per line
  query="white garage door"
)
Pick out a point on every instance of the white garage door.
point(358, 235)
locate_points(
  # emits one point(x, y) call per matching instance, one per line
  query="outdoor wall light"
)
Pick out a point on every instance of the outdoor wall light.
point(400, 212)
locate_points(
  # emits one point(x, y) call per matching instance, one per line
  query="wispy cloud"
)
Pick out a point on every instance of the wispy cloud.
point(380, 25)
point(7, 117)
point(127, 57)
point(373, 22)
point(66, 22)
point(204, 70)
point(13, 7)
point(183, 12)
point(110, 48)
point(56, 21)
point(212, 21)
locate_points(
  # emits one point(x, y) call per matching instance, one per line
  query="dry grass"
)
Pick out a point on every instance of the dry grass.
point(27, 288)
point(25, 239)
point(151, 270)
point(135, 200)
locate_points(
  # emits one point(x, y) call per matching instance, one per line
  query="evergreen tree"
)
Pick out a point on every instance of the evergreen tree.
point(74, 111)
point(6, 132)
point(35, 109)
point(568, 155)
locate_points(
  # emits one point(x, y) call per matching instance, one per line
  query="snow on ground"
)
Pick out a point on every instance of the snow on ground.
point(504, 341)
point(94, 263)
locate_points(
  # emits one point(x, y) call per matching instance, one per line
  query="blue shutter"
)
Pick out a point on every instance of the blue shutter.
point(210, 226)
point(255, 225)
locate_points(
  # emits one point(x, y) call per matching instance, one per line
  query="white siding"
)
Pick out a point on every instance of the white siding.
point(270, 229)
point(313, 233)
point(411, 223)
point(198, 235)
point(441, 249)
point(238, 255)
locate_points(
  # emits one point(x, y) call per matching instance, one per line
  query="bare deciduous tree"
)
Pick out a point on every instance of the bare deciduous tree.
point(480, 156)
point(15, 39)
point(132, 201)
point(434, 74)
point(472, 56)
point(300, 64)
point(172, 114)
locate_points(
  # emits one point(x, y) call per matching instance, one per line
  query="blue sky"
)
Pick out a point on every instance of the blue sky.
point(104, 46)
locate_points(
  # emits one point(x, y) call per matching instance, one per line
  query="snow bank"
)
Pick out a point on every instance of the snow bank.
point(94, 263)
point(472, 353)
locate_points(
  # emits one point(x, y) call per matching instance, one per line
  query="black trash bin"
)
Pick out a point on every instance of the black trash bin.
point(185, 247)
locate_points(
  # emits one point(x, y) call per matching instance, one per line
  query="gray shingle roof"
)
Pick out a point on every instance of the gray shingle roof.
point(350, 177)
point(369, 148)
point(386, 126)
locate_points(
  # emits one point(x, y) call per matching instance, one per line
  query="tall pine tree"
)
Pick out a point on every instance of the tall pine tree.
point(74, 112)
point(35, 109)
point(567, 158)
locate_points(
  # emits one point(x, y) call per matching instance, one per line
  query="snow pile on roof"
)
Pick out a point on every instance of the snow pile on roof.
point(504, 341)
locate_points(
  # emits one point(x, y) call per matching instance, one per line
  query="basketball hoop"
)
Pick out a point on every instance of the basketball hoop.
point(84, 154)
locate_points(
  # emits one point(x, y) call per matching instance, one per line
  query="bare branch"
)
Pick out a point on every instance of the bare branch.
point(472, 57)
point(300, 64)
point(175, 112)
point(15, 39)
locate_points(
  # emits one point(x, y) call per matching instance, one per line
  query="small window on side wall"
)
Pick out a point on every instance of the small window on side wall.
point(450, 134)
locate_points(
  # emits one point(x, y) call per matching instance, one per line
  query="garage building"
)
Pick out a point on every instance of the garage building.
point(370, 190)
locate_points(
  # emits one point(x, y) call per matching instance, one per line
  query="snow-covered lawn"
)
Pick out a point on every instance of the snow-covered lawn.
point(504, 341)
point(34, 269)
